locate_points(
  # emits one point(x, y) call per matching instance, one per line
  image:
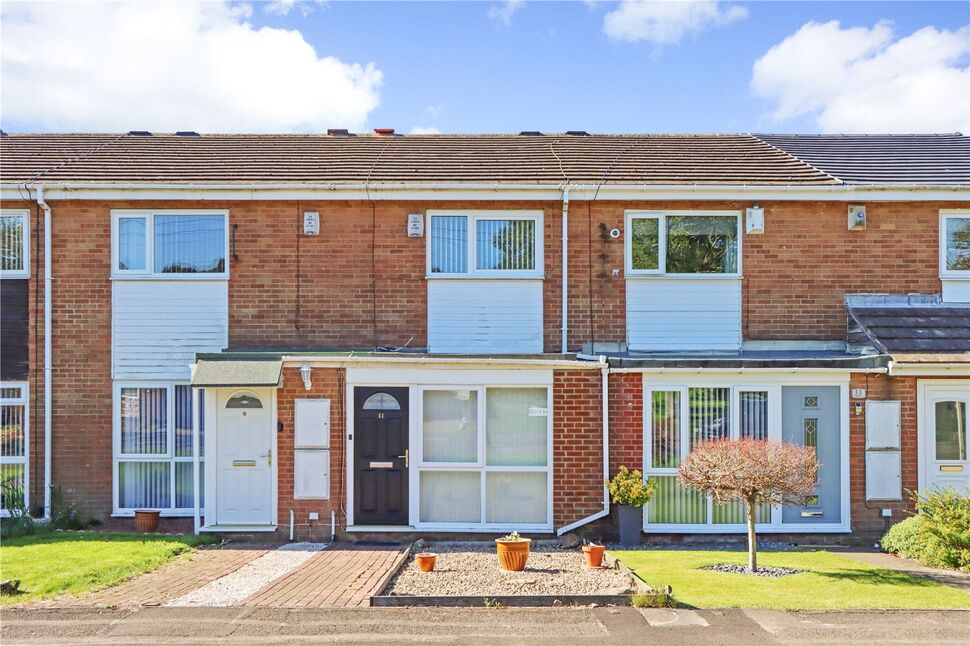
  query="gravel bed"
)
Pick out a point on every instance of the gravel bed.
point(473, 569)
point(763, 570)
point(236, 586)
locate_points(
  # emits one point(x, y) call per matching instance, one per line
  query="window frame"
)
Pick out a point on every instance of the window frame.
point(661, 217)
point(149, 271)
point(945, 215)
point(472, 218)
point(169, 457)
point(481, 466)
point(22, 400)
point(23, 214)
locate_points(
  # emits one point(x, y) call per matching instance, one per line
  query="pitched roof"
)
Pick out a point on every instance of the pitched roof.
point(882, 159)
point(321, 159)
point(917, 328)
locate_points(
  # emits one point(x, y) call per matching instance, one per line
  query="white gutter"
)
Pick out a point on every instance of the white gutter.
point(929, 369)
point(397, 359)
point(484, 191)
point(565, 269)
point(790, 370)
point(605, 383)
point(48, 361)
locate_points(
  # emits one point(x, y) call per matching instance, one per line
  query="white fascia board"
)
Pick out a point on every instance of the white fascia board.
point(473, 191)
point(291, 361)
point(776, 375)
point(930, 370)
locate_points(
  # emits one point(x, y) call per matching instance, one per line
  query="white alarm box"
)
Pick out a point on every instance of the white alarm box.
point(311, 223)
point(415, 225)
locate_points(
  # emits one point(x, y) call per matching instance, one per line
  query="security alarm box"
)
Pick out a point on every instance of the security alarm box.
point(311, 223)
point(857, 217)
point(754, 221)
point(415, 225)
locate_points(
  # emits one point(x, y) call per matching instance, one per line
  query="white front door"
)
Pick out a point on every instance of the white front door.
point(244, 477)
point(943, 410)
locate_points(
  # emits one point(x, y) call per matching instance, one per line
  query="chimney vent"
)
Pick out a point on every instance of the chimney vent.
point(338, 132)
point(384, 132)
point(139, 133)
point(530, 133)
point(577, 133)
point(186, 133)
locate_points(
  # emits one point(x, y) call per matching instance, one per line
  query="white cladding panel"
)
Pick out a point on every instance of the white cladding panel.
point(158, 325)
point(666, 313)
point(485, 316)
point(956, 291)
point(882, 424)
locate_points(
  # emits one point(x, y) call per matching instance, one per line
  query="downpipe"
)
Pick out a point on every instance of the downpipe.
point(48, 361)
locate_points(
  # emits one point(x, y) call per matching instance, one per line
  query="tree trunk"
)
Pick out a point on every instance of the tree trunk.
point(752, 537)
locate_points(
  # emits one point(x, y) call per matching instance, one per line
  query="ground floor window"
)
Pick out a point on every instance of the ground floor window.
point(14, 447)
point(679, 417)
point(484, 457)
point(153, 457)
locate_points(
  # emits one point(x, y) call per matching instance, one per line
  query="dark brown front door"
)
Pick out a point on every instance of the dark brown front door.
point(380, 456)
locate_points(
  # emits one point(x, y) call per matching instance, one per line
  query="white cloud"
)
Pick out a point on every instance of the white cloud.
point(866, 80)
point(172, 66)
point(665, 23)
point(435, 110)
point(502, 13)
point(424, 130)
point(284, 7)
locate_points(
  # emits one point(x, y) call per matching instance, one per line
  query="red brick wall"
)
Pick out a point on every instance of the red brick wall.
point(577, 445)
point(326, 384)
point(626, 421)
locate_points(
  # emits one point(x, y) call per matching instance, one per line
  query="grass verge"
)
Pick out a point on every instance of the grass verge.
point(56, 563)
point(827, 581)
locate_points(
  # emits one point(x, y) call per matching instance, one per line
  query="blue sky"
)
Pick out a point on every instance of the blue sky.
point(497, 67)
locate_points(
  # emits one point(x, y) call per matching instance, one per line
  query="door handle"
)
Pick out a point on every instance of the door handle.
point(269, 458)
point(405, 456)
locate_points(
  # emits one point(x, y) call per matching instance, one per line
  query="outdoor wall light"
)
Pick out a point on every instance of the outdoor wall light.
point(305, 374)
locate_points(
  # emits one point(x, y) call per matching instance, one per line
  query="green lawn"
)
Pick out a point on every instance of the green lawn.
point(51, 564)
point(828, 581)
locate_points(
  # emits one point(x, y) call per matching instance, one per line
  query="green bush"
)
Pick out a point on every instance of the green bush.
point(939, 536)
point(628, 488)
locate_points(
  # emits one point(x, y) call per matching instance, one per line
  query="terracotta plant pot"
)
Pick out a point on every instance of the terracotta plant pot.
point(426, 561)
point(146, 520)
point(512, 555)
point(594, 555)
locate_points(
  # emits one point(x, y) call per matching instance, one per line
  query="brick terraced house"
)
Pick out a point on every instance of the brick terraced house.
point(460, 334)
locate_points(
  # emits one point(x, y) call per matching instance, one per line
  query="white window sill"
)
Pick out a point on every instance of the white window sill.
point(209, 277)
point(687, 276)
point(484, 277)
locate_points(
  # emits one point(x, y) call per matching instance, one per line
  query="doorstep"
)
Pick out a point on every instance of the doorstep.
point(243, 529)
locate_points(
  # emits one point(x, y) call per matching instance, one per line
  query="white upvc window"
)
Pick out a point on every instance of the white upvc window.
point(485, 244)
point(955, 243)
point(14, 243)
point(683, 243)
point(14, 447)
point(183, 243)
point(153, 456)
point(484, 457)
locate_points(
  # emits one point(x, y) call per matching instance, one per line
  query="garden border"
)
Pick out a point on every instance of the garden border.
point(514, 600)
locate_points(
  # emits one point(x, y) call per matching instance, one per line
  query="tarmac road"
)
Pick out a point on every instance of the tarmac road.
point(473, 626)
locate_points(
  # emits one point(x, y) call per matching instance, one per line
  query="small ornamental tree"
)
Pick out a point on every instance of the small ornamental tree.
point(755, 471)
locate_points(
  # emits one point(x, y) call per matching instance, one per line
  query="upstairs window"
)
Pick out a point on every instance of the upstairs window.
point(955, 243)
point(683, 243)
point(170, 243)
point(485, 244)
point(14, 243)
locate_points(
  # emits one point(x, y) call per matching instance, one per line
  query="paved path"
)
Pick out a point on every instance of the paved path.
point(953, 578)
point(475, 626)
point(340, 576)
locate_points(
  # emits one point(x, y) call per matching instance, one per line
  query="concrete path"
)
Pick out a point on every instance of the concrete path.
point(474, 626)
point(953, 578)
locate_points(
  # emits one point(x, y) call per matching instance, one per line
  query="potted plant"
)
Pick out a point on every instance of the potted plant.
point(513, 551)
point(593, 554)
point(146, 520)
point(631, 493)
point(426, 561)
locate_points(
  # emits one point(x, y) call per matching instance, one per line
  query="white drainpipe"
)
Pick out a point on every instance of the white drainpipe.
point(565, 269)
point(48, 362)
point(605, 383)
